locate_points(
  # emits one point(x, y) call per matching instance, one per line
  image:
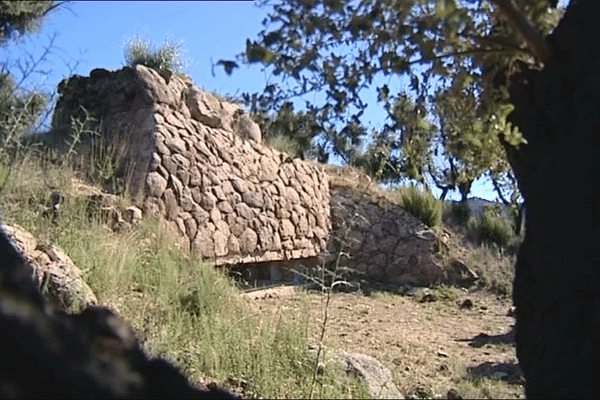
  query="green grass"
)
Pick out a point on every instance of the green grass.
point(493, 228)
point(495, 269)
point(461, 212)
point(182, 308)
point(422, 204)
point(284, 144)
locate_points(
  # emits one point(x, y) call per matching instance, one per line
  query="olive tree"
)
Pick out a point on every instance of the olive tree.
point(517, 79)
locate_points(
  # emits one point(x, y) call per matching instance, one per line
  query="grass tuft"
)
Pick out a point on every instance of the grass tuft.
point(422, 204)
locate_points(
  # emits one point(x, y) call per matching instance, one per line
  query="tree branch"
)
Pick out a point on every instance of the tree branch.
point(537, 45)
point(466, 53)
point(499, 191)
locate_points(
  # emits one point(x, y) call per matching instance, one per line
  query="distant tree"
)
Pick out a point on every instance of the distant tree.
point(19, 109)
point(506, 187)
point(535, 80)
point(297, 129)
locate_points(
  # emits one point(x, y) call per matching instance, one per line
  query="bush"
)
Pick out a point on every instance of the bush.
point(284, 144)
point(168, 56)
point(461, 213)
point(493, 228)
point(422, 204)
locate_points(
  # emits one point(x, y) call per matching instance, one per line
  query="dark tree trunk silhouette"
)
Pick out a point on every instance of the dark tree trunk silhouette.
point(556, 284)
point(464, 188)
point(445, 190)
point(517, 215)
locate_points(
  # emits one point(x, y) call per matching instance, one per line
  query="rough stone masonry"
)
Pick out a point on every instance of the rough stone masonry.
point(197, 162)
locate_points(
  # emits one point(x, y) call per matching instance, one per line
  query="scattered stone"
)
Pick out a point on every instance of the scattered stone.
point(453, 394)
point(132, 215)
point(241, 387)
point(428, 296)
point(420, 392)
point(378, 378)
point(460, 274)
point(466, 304)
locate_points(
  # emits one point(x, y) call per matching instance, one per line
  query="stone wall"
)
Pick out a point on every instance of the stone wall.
point(383, 242)
point(198, 162)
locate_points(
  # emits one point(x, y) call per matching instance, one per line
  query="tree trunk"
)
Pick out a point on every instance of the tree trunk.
point(556, 287)
point(444, 193)
point(520, 220)
point(464, 188)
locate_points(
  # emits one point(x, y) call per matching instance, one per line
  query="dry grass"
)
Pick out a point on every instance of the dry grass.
point(186, 311)
point(182, 308)
point(429, 347)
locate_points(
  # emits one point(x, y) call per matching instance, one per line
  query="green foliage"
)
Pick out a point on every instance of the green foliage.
point(461, 213)
point(19, 112)
point(334, 54)
point(494, 268)
point(21, 17)
point(292, 132)
point(284, 144)
point(167, 56)
point(493, 227)
point(22, 104)
point(422, 204)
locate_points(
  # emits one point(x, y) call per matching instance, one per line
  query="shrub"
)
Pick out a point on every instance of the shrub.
point(461, 213)
point(493, 228)
point(284, 144)
point(168, 56)
point(422, 204)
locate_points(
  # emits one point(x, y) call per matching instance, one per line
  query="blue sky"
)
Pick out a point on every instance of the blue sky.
point(93, 34)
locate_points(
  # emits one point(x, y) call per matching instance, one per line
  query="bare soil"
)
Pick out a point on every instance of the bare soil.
point(430, 347)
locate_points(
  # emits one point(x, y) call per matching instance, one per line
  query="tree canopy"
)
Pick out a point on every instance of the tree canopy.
point(20, 103)
point(438, 67)
point(20, 17)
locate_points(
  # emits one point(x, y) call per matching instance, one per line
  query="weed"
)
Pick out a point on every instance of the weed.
point(168, 56)
point(446, 292)
point(284, 144)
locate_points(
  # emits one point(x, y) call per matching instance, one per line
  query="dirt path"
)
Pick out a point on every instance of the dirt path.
point(430, 347)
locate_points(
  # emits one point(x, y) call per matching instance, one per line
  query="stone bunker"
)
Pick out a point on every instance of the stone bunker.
point(197, 163)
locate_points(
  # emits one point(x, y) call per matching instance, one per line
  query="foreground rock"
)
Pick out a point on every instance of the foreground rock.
point(47, 354)
point(377, 377)
point(59, 280)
